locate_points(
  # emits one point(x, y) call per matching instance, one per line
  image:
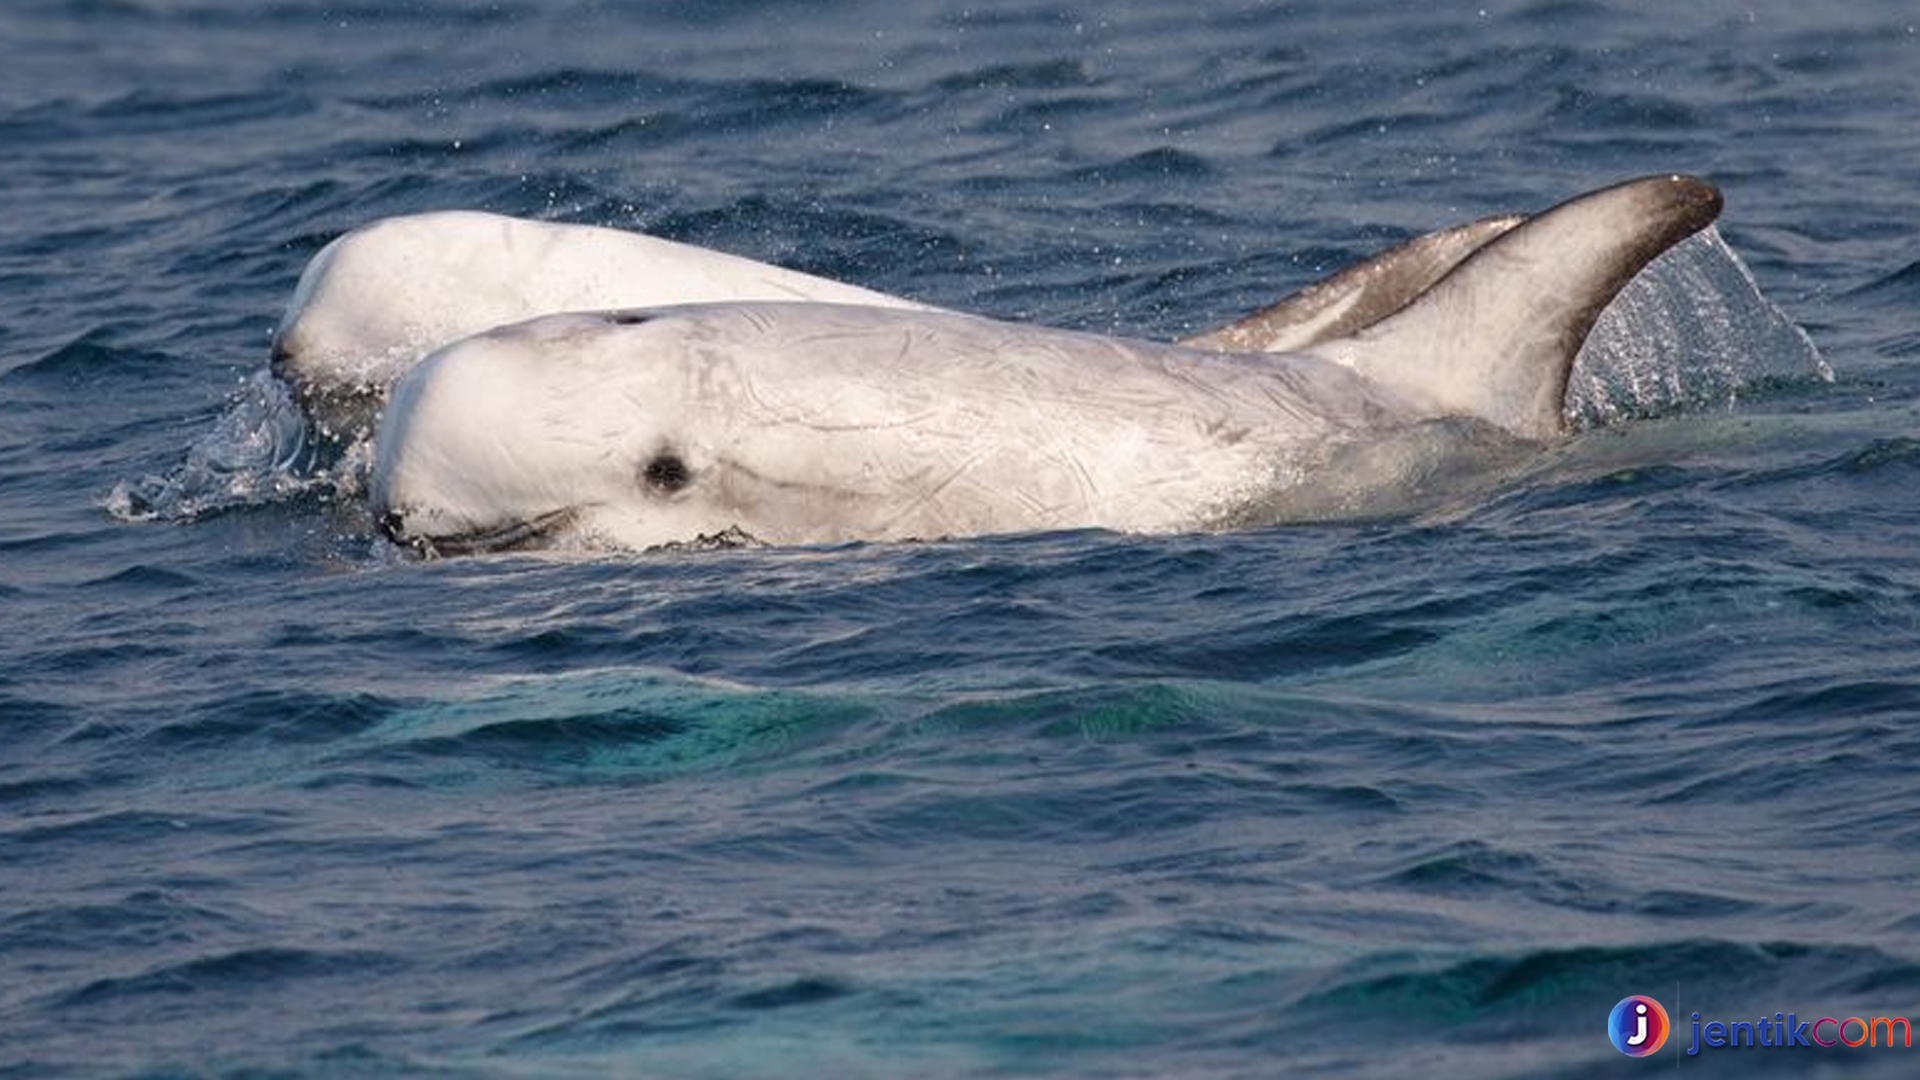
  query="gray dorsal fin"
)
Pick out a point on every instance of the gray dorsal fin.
point(1357, 297)
point(1497, 336)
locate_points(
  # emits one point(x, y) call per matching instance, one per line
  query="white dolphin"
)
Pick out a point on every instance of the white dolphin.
point(810, 423)
point(376, 300)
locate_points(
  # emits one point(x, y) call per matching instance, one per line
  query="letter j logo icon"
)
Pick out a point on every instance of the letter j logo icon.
point(1638, 1026)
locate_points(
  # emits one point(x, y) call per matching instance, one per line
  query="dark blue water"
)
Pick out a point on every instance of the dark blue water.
point(1422, 794)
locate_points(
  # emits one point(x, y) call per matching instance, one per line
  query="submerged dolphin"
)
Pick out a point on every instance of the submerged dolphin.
point(808, 423)
point(378, 299)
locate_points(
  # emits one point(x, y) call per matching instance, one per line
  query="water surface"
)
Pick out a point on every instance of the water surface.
point(1421, 792)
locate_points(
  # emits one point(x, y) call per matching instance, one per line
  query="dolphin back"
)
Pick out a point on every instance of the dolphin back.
point(1495, 338)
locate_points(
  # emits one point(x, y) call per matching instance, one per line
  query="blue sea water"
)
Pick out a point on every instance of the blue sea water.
point(1419, 791)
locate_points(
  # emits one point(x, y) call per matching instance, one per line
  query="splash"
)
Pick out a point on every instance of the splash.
point(258, 451)
point(1691, 332)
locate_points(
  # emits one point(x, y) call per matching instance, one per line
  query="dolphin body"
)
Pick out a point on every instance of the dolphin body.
point(824, 422)
point(377, 299)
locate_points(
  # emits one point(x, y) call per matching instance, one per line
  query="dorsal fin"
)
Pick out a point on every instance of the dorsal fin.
point(1497, 336)
point(1357, 297)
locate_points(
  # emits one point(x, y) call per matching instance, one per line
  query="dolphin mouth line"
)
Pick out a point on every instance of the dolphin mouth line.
point(509, 537)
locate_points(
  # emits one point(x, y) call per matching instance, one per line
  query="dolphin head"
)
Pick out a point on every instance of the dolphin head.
point(528, 434)
point(631, 429)
point(375, 300)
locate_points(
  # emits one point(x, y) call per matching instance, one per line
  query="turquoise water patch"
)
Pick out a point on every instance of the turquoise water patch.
point(605, 726)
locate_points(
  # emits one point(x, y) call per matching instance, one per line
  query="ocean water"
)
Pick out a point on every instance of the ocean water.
point(1421, 788)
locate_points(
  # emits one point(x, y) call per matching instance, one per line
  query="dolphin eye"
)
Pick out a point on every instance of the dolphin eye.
point(667, 473)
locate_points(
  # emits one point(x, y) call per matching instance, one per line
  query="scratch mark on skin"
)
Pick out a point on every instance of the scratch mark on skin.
point(759, 320)
point(581, 441)
point(1089, 490)
point(593, 388)
point(773, 285)
point(750, 389)
point(927, 496)
point(729, 465)
point(884, 425)
point(1188, 375)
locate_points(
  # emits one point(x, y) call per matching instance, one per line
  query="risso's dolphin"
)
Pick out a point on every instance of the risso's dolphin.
point(814, 422)
point(376, 300)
